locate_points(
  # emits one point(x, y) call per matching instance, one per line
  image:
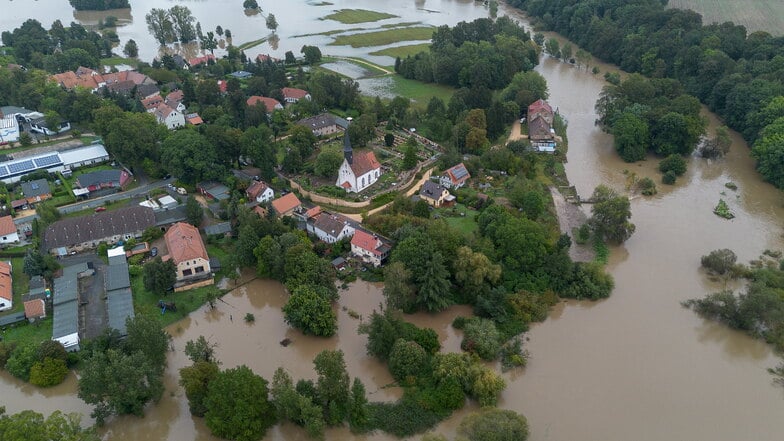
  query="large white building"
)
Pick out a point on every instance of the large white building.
point(9, 129)
point(53, 162)
point(358, 171)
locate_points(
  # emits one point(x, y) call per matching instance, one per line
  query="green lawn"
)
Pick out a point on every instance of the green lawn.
point(145, 302)
point(250, 44)
point(403, 51)
point(401, 25)
point(332, 32)
point(114, 61)
point(84, 139)
point(419, 91)
point(352, 16)
point(30, 332)
point(382, 38)
point(465, 224)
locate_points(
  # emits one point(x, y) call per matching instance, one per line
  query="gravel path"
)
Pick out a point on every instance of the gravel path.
point(571, 217)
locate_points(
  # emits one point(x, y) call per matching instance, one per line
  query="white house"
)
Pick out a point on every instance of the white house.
point(8, 232)
point(455, 177)
point(170, 117)
point(369, 248)
point(330, 228)
point(260, 192)
point(292, 95)
point(358, 171)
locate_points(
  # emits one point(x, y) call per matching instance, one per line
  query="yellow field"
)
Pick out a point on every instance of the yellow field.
point(755, 15)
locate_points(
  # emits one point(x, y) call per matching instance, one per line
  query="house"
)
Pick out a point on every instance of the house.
point(455, 177)
point(330, 228)
point(339, 263)
point(194, 119)
point(38, 124)
point(147, 90)
point(187, 251)
point(214, 190)
point(285, 205)
point(150, 104)
point(540, 108)
point(168, 116)
point(205, 59)
point(104, 179)
point(90, 79)
point(260, 192)
point(324, 124)
point(6, 286)
point(36, 191)
point(358, 171)
point(8, 232)
point(540, 126)
point(174, 100)
point(79, 233)
point(223, 86)
point(271, 104)
point(369, 247)
point(262, 58)
point(34, 309)
point(291, 95)
point(435, 194)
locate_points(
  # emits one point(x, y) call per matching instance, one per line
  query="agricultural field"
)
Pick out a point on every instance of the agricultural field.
point(403, 51)
point(352, 16)
point(756, 15)
point(385, 37)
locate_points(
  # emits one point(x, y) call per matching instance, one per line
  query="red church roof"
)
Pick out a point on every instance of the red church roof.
point(364, 162)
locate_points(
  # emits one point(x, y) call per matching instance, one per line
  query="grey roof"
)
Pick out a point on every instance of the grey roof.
point(100, 177)
point(10, 319)
point(39, 187)
point(323, 120)
point(221, 228)
point(66, 289)
point(76, 230)
point(66, 319)
point(331, 224)
point(37, 282)
point(117, 276)
point(117, 260)
point(170, 216)
point(118, 292)
point(240, 74)
point(10, 110)
point(146, 89)
point(216, 190)
point(338, 261)
point(431, 190)
point(66, 306)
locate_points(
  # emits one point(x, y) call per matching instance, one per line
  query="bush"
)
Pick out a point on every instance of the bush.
point(22, 360)
point(50, 372)
point(719, 261)
point(673, 163)
point(402, 419)
point(407, 360)
point(482, 338)
point(669, 178)
point(647, 187)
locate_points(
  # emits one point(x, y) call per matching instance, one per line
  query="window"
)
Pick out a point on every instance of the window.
point(187, 272)
point(199, 269)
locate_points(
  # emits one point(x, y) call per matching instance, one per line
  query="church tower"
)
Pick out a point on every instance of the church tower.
point(348, 152)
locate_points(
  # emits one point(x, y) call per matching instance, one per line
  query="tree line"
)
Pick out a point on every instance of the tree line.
point(736, 74)
point(98, 5)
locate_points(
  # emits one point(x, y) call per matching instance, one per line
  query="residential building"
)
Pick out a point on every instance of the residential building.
point(151, 103)
point(36, 191)
point(330, 228)
point(204, 59)
point(262, 58)
point(194, 119)
point(90, 79)
point(455, 177)
point(540, 108)
point(247, 174)
point(435, 194)
point(147, 90)
point(260, 192)
point(172, 118)
point(358, 171)
point(271, 104)
point(85, 232)
point(369, 247)
point(8, 232)
point(324, 124)
point(540, 126)
point(174, 100)
point(104, 179)
point(291, 95)
point(6, 286)
point(214, 190)
point(35, 309)
point(285, 205)
point(187, 251)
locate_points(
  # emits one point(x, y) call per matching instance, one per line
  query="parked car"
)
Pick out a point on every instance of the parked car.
point(181, 191)
point(154, 251)
point(100, 209)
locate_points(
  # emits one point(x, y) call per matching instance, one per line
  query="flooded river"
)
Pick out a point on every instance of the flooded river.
point(636, 366)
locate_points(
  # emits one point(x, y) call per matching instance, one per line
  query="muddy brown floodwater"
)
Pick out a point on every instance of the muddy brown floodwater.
point(636, 366)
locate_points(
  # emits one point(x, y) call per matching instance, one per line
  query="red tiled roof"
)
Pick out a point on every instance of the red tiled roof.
point(184, 243)
point(264, 57)
point(223, 86)
point(6, 291)
point(286, 203)
point(7, 226)
point(269, 103)
point(313, 212)
point(261, 211)
point(366, 241)
point(346, 184)
point(458, 174)
point(199, 60)
point(163, 111)
point(364, 162)
point(152, 102)
point(35, 308)
point(538, 106)
point(177, 95)
point(255, 189)
point(291, 92)
point(194, 119)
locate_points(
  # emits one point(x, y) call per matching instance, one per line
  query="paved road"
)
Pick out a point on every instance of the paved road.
point(98, 202)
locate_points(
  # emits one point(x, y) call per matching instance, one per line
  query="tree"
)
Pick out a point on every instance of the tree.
point(201, 350)
point(631, 137)
point(769, 153)
point(250, 4)
point(410, 153)
point(196, 379)
point(131, 50)
point(146, 335)
point(190, 157)
point(611, 213)
point(332, 385)
point(434, 287)
point(237, 405)
point(493, 425)
point(32, 426)
point(159, 276)
point(47, 212)
point(328, 163)
point(310, 312)
point(362, 130)
point(194, 213)
point(673, 163)
point(219, 30)
point(553, 48)
point(474, 272)
point(482, 338)
point(49, 372)
point(183, 22)
point(160, 25)
point(398, 290)
point(407, 360)
point(119, 383)
point(208, 42)
point(719, 261)
point(294, 406)
point(358, 411)
point(312, 54)
point(303, 139)
point(271, 22)
point(566, 52)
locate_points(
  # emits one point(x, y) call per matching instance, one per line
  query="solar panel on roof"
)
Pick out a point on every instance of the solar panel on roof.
point(459, 172)
point(48, 160)
point(16, 167)
point(3, 171)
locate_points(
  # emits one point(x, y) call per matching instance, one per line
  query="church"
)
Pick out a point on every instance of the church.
point(358, 171)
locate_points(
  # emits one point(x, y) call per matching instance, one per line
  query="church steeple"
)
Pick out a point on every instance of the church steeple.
point(348, 152)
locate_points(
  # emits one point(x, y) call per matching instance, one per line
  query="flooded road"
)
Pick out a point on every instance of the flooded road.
point(636, 366)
